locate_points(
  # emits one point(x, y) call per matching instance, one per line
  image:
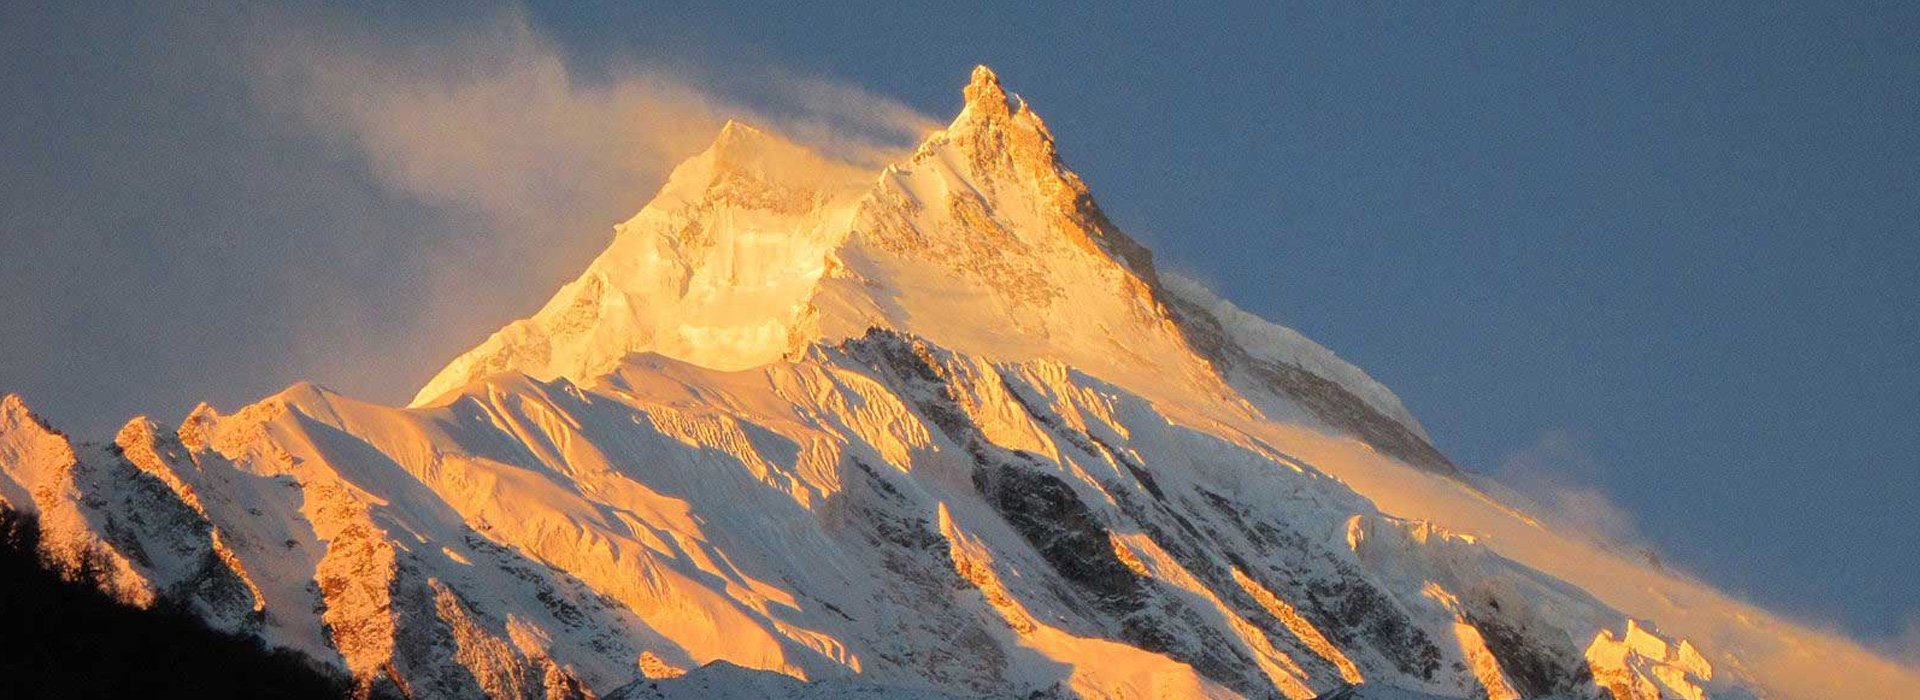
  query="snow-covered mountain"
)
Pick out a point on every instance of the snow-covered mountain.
point(943, 430)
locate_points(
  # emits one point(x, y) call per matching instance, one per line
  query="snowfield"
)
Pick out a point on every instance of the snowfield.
point(941, 431)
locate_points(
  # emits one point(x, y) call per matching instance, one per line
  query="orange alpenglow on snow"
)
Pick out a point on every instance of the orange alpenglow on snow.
point(809, 430)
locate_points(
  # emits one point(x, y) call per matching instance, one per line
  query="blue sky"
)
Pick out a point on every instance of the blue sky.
point(1667, 255)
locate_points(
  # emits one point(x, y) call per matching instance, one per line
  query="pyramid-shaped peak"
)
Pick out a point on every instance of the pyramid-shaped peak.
point(140, 429)
point(984, 79)
point(14, 412)
point(739, 141)
point(724, 269)
point(742, 149)
point(984, 94)
point(736, 133)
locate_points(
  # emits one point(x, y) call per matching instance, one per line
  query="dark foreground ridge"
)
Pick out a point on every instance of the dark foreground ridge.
point(67, 639)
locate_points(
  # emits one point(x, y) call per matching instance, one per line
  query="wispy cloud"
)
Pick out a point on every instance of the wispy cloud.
point(1559, 474)
point(1905, 648)
point(486, 116)
point(487, 122)
point(489, 115)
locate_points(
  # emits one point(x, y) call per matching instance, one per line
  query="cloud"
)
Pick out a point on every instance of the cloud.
point(489, 115)
point(484, 116)
point(1559, 474)
point(1905, 648)
point(524, 160)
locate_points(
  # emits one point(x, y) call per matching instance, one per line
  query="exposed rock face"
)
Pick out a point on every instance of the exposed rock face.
point(881, 507)
point(116, 509)
point(942, 432)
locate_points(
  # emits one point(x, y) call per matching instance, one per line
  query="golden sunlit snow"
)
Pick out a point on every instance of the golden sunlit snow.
point(941, 427)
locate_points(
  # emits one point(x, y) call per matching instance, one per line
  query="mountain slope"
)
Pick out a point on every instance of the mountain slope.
point(981, 241)
point(716, 269)
point(945, 429)
point(85, 644)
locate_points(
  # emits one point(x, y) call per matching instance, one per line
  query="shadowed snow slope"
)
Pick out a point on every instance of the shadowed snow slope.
point(813, 432)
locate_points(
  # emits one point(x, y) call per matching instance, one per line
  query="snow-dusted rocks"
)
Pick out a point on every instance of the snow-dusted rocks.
point(943, 430)
point(1640, 665)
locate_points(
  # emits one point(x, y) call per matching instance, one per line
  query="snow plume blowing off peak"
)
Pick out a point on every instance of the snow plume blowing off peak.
point(930, 427)
point(518, 153)
point(981, 240)
point(716, 270)
point(759, 246)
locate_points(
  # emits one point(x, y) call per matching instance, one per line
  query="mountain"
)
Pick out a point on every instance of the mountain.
point(944, 430)
point(85, 644)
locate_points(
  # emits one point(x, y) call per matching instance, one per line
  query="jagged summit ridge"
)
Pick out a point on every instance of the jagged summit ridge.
point(985, 98)
point(982, 240)
point(805, 430)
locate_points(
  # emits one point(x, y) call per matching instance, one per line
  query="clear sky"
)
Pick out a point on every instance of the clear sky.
point(1661, 262)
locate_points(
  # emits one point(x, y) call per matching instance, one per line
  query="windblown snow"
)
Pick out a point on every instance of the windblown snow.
point(939, 431)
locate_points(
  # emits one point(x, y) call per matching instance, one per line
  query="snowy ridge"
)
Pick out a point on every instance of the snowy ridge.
point(1272, 342)
point(804, 433)
point(880, 507)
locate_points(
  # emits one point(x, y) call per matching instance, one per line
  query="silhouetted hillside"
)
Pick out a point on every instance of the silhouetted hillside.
point(66, 639)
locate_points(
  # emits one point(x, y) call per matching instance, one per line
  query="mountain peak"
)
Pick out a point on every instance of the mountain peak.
point(984, 93)
point(741, 146)
point(14, 411)
point(724, 268)
point(822, 423)
point(999, 123)
point(715, 270)
point(746, 161)
point(736, 134)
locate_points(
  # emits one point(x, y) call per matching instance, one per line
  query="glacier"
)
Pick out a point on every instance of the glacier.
point(805, 430)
